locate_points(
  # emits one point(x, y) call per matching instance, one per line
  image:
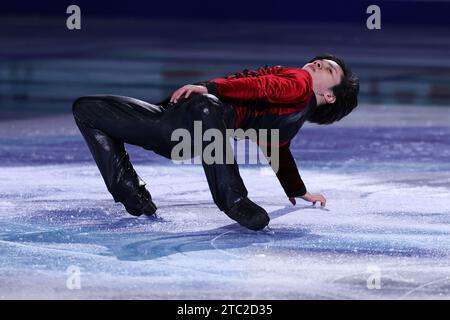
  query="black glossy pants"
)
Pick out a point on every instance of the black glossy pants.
point(108, 122)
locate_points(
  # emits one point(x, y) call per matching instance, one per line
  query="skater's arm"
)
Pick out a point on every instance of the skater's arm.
point(289, 177)
point(286, 171)
point(287, 86)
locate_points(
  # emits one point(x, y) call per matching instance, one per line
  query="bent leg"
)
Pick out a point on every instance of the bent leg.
point(106, 123)
point(226, 185)
point(224, 180)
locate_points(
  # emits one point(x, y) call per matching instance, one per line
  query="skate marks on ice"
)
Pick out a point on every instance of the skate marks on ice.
point(65, 216)
point(132, 238)
point(136, 239)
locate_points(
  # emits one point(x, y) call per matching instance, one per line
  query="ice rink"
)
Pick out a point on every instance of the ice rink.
point(385, 232)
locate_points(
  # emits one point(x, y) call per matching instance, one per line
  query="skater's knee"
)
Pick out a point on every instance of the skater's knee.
point(85, 103)
point(79, 105)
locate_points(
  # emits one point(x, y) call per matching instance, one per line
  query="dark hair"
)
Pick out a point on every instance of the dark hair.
point(346, 93)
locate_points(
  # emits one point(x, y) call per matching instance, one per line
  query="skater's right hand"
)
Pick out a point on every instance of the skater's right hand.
point(311, 198)
point(185, 91)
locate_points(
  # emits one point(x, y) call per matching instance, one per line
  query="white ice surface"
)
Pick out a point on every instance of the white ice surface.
point(385, 172)
point(56, 216)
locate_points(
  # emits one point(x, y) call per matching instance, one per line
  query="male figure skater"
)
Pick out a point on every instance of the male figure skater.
point(322, 91)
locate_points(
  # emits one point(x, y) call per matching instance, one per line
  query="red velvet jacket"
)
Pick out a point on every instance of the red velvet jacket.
point(274, 97)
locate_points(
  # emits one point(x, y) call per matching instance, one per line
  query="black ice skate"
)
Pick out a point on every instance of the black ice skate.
point(140, 203)
point(249, 214)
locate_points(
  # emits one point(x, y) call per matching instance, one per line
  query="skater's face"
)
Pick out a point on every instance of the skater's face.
point(325, 75)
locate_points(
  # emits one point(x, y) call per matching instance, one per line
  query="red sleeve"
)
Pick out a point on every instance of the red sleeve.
point(282, 85)
point(287, 173)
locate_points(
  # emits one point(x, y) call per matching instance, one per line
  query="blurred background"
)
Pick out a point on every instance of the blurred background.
point(146, 49)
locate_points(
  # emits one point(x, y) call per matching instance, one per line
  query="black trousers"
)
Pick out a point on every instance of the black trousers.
point(107, 122)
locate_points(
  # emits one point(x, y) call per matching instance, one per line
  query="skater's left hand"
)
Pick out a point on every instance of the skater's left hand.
point(311, 198)
point(185, 91)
